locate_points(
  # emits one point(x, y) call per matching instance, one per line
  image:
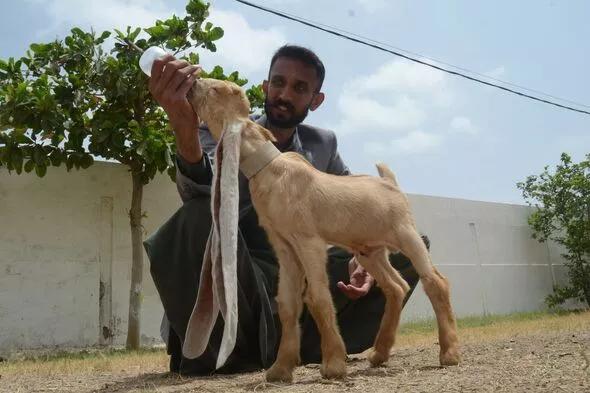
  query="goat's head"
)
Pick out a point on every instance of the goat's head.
point(218, 102)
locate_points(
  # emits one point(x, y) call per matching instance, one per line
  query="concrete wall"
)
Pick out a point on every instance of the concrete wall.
point(66, 235)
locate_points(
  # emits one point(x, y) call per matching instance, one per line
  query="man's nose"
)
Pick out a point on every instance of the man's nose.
point(285, 95)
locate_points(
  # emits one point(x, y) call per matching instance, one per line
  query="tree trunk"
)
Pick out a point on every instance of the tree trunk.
point(133, 326)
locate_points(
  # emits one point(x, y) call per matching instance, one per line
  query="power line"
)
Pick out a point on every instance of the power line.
point(434, 60)
point(380, 46)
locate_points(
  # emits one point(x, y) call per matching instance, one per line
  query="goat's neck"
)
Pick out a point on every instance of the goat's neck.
point(215, 127)
point(250, 143)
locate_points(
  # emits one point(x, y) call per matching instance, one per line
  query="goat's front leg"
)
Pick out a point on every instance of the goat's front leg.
point(312, 256)
point(290, 304)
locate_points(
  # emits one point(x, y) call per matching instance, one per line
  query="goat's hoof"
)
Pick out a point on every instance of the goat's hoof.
point(279, 374)
point(335, 369)
point(377, 358)
point(450, 357)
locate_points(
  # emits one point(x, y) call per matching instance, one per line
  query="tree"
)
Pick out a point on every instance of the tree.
point(562, 201)
point(68, 101)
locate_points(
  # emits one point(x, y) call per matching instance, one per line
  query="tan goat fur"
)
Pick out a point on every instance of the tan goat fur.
point(302, 210)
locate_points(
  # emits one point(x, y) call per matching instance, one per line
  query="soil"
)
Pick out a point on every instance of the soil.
point(541, 362)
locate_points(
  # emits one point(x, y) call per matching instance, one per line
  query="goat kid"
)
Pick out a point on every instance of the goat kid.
point(302, 210)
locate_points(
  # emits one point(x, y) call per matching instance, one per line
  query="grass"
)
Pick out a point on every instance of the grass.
point(494, 327)
point(87, 362)
point(471, 329)
point(429, 325)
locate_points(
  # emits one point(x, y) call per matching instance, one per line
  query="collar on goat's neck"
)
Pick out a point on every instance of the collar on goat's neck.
point(255, 153)
point(263, 156)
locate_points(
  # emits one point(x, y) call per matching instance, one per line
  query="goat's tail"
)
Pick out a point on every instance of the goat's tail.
point(386, 173)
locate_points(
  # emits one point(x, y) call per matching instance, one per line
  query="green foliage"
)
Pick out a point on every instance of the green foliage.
point(562, 201)
point(68, 101)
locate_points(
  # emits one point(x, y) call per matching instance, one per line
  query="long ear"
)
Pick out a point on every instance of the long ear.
point(228, 231)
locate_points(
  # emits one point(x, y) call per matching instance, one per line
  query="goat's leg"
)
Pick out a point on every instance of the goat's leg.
point(290, 305)
point(436, 287)
point(394, 288)
point(312, 256)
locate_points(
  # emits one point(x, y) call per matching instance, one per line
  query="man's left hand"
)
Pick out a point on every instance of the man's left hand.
point(360, 281)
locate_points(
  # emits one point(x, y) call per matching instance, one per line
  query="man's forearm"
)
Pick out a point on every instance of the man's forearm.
point(188, 145)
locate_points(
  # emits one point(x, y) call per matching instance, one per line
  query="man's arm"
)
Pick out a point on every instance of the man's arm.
point(194, 179)
point(169, 84)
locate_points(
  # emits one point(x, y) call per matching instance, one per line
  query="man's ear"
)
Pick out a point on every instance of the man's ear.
point(265, 87)
point(316, 101)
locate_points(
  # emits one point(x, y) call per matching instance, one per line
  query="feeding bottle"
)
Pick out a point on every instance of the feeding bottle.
point(147, 58)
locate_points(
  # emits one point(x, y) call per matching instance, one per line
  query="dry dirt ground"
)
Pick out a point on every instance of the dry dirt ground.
point(549, 354)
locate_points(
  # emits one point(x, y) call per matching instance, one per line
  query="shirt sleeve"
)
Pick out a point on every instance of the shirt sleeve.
point(336, 166)
point(194, 179)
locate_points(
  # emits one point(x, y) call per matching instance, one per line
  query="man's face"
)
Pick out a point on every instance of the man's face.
point(291, 92)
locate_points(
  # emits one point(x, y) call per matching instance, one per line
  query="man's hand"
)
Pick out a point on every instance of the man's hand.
point(170, 82)
point(360, 281)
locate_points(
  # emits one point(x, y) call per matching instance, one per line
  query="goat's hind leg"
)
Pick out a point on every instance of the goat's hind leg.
point(394, 289)
point(290, 305)
point(437, 289)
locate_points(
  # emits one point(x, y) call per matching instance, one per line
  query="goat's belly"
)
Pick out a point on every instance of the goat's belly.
point(355, 236)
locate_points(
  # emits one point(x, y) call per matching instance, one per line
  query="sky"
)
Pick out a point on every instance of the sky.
point(441, 135)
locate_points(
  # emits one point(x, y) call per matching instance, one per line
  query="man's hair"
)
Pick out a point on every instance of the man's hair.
point(304, 55)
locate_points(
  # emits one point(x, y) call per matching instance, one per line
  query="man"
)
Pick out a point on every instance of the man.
point(292, 90)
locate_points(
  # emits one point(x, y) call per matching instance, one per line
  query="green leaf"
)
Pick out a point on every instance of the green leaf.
point(120, 34)
point(77, 31)
point(41, 170)
point(216, 33)
point(29, 166)
point(56, 158)
point(17, 160)
point(70, 162)
point(157, 31)
point(86, 161)
point(38, 155)
point(135, 33)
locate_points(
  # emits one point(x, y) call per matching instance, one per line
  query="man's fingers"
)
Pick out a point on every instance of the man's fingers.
point(157, 68)
point(167, 75)
point(351, 291)
point(182, 75)
point(186, 85)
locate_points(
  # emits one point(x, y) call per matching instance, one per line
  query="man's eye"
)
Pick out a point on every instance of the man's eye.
point(276, 83)
point(301, 89)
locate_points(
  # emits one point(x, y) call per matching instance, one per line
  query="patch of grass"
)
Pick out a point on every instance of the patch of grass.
point(427, 326)
point(92, 353)
point(493, 327)
point(87, 362)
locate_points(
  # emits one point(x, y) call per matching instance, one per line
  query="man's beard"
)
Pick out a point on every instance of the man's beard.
point(290, 120)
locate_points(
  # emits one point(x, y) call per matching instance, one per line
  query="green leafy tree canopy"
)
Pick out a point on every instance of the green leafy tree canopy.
point(562, 214)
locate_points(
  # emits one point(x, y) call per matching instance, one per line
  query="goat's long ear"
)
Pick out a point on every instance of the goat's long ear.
point(228, 227)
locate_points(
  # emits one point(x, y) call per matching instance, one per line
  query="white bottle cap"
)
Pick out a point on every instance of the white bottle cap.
point(147, 58)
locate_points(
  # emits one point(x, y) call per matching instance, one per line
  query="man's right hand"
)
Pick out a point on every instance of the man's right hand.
point(169, 84)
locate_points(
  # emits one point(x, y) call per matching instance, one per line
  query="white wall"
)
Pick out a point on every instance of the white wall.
point(59, 234)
